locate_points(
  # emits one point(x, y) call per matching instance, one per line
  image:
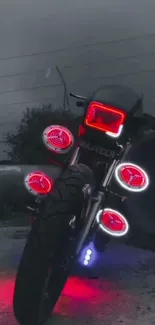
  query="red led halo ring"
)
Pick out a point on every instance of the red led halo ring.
point(38, 183)
point(58, 139)
point(132, 177)
point(112, 222)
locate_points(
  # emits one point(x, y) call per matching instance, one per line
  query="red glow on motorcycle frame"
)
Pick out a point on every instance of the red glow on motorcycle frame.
point(131, 177)
point(38, 183)
point(105, 118)
point(112, 222)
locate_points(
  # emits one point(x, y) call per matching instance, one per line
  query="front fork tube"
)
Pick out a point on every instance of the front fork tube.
point(95, 206)
point(97, 203)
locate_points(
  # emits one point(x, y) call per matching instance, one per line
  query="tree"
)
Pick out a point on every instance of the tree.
point(26, 146)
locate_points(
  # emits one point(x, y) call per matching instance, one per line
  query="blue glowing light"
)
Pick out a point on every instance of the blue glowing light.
point(88, 255)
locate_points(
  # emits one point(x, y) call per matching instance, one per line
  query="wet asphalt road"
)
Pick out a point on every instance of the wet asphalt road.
point(123, 294)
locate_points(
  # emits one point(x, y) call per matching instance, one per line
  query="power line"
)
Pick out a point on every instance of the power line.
point(76, 82)
point(67, 66)
point(78, 47)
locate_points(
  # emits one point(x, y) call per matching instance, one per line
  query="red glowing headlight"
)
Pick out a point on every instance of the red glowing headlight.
point(38, 183)
point(131, 177)
point(112, 222)
point(105, 118)
point(58, 139)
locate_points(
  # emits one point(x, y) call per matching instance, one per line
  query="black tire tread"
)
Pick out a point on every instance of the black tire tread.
point(46, 233)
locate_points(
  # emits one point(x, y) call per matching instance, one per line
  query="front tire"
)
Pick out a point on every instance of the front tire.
point(48, 255)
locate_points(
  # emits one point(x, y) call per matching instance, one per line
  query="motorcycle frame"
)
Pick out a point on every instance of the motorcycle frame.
point(97, 201)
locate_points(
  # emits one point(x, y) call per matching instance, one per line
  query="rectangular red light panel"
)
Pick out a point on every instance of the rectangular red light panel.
point(105, 118)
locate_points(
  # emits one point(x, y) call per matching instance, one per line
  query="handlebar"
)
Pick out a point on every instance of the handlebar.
point(149, 120)
point(78, 97)
point(81, 101)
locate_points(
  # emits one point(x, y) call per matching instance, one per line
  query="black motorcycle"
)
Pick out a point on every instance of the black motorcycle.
point(83, 202)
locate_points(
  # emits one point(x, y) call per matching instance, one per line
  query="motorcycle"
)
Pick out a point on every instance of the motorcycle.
point(81, 204)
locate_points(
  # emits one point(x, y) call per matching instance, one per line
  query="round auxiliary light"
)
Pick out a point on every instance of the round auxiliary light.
point(132, 177)
point(38, 183)
point(112, 222)
point(58, 139)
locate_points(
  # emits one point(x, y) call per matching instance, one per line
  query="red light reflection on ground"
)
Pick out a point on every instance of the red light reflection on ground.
point(80, 298)
point(6, 292)
point(87, 297)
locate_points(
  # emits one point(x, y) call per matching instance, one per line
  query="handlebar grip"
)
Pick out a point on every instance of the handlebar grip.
point(79, 104)
point(78, 97)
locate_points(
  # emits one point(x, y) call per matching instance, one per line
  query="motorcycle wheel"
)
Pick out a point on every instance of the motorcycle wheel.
point(46, 261)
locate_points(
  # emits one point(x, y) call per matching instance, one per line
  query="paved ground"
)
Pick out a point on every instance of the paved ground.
point(124, 294)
